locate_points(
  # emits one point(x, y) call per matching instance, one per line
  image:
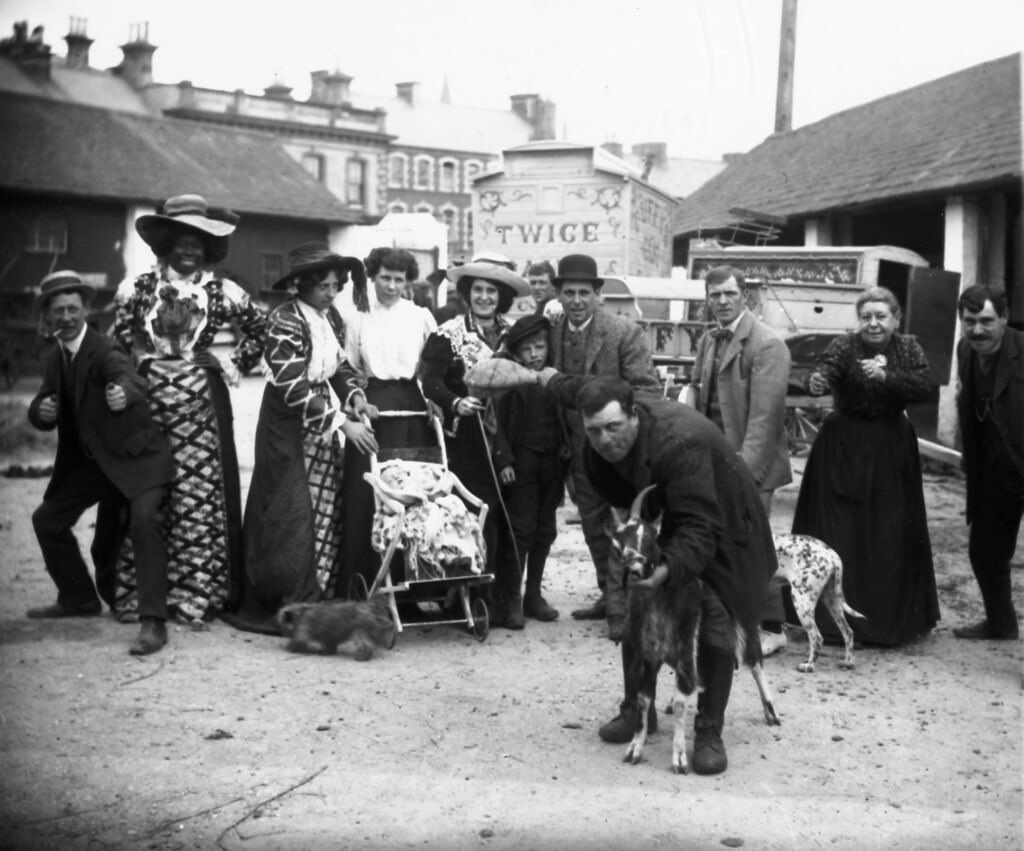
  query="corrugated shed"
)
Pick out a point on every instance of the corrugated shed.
point(954, 133)
point(49, 146)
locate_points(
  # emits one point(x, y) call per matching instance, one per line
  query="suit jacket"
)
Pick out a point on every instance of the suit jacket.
point(751, 388)
point(128, 446)
point(616, 346)
point(1007, 408)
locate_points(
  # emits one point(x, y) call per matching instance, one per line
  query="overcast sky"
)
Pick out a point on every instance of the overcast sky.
point(698, 74)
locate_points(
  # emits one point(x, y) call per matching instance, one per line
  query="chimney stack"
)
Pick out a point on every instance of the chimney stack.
point(137, 65)
point(28, 51)
point(78, 44)
point(329, 88)
point(409, 92)
point(278, 91)
point(613, 148)
point(539, 113)
point(654, 152)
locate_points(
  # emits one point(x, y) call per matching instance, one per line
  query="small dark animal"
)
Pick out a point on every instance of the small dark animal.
point(814, 570)
point(359, 628)
point(662, 627)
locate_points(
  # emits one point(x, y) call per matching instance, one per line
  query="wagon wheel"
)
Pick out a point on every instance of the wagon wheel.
point(481, 619)
point(800, 430)
point(357, 589)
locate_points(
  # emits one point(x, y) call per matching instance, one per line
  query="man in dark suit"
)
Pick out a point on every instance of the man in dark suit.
point(990, 405)
point(741, 373)
point(589, 341)
point(109, 451)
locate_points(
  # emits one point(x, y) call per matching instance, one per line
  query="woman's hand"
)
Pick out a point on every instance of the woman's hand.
point(817, 384)
point(873, 368)
point(656, 579)
point(117, 400)
point(207, 360)
point(360, 435)
point(468, 405)
point(507, 475)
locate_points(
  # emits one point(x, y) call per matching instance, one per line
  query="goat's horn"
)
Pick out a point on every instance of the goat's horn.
point(638, 503)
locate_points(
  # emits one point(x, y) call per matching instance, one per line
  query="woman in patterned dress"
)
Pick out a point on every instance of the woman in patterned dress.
point(168, 318)
point(471, 430)
point(293, 519)
point(861, 492)
point(385, 345)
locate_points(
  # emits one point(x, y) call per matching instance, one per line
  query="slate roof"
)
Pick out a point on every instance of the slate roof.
point(55, 147)
point(958, 132)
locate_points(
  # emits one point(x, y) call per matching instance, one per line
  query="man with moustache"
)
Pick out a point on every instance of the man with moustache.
point(109, 451)
point(990, 405)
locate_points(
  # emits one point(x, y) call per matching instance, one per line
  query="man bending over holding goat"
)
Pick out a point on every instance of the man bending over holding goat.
point(712, 524)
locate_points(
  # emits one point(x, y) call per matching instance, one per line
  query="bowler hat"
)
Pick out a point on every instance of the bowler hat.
point(525, 327)
point(317, 257)
point(65, 281)
point(510, 285)
point(578, 267)
point(188, 214)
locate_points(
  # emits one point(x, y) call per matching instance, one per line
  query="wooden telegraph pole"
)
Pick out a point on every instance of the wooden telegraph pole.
point(787, 54)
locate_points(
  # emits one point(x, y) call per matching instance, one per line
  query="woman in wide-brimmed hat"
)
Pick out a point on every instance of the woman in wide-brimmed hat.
point(168, 317)
point(385, 344)
point(470, 427)
point(293, 514)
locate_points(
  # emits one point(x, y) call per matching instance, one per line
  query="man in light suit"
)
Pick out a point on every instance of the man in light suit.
point(588, 341)
point(109, 451)
point(990, 405)
point(741, 374)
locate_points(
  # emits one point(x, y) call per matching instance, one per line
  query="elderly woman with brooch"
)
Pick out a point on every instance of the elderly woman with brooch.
point(168, 317)
point(861, 491)
point(293, 512)
point(471, 429)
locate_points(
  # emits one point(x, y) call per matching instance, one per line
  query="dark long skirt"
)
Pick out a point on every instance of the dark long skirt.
point(412, 438)
point(292, 518)
point(862, 495)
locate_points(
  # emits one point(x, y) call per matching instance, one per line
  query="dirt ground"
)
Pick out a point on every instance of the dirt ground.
point(226, 740)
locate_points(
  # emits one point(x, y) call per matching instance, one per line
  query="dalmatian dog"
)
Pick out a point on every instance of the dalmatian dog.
point(815, 571)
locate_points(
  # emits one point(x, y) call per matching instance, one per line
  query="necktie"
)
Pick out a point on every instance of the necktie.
point(720, 333)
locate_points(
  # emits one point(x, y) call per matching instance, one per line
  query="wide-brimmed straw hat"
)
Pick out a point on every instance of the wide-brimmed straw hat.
point(313, 257)
point(578, 267)
point(510, 285)
point(64, 281)
point(188, 214)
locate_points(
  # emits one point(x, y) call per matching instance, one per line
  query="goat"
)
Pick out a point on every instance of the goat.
point(662, 627)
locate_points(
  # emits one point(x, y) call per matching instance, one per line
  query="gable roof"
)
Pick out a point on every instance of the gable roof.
point(958, 132)
point(54, 147)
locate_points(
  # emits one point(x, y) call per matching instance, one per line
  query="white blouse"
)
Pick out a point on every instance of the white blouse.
point(386, 342)
point(327, 355)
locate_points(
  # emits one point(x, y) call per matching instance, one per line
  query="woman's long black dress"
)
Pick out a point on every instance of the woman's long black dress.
point(862, 492)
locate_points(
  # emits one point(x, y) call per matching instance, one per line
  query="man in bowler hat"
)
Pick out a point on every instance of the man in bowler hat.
point(109, 451)
point(589, 341)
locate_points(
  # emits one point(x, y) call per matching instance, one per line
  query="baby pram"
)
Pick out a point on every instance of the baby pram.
point(423, 509)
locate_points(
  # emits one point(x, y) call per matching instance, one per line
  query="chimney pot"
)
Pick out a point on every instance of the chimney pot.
point(78, 44)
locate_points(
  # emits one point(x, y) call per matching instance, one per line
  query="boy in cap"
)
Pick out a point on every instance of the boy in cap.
point(109, 450)
point(531, 467)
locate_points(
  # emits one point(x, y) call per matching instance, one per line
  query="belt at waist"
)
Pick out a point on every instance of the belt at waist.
point(390, 382)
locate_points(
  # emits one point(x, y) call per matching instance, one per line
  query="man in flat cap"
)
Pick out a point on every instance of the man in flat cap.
point(109, 451)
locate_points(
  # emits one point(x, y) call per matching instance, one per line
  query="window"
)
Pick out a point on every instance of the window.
point(469, 228)
point(449, 216)
point(314, 164)
point(355, 182)
point(47, 236)
point(397, 166)
point(448, 175)
point(271, 268)
point(424, 208)
point(471, 169)
point(397, 207)
point(424, 173)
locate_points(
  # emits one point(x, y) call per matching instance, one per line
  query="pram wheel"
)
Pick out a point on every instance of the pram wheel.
point(481, 619)
point(357, 589)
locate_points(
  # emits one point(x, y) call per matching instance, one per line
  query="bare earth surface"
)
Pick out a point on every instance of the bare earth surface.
point(226, 740)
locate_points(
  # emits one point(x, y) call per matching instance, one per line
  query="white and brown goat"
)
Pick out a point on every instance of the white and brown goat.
point(662, 628)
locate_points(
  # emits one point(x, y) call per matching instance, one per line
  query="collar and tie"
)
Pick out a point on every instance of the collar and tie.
point(721, 333)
